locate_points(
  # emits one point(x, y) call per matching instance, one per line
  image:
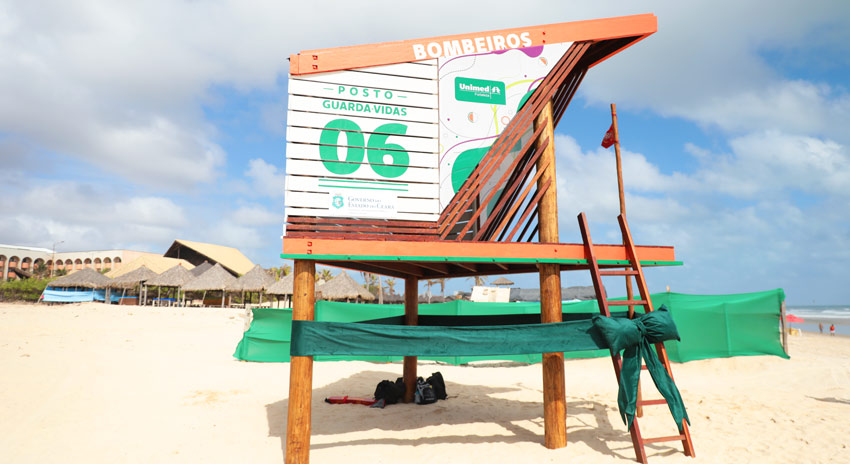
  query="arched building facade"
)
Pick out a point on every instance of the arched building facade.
point(32, 260)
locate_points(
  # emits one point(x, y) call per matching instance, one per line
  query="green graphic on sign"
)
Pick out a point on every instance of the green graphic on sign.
point(378, 150)
point(479, 91)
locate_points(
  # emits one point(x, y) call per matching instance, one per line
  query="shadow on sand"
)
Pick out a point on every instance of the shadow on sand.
point(463, 406)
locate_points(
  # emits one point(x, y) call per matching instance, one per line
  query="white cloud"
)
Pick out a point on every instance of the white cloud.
point(85, 217)
point(771, 162)
point(705, 65)
point(257, 215)
point(266, 178)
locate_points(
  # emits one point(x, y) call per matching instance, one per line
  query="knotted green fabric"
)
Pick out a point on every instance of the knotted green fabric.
point(635, 337)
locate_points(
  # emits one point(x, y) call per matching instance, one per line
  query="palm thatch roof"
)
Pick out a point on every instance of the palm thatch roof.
point(343, 287)
point(255, 280)
point(177, 276)
point(201, 268)
point(133, 278)
point(158, 264)
point(501, 281)
point(282, 286)
point(87, 278)
point(216, 278)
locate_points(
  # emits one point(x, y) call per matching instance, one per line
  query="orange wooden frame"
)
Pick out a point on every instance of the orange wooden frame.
point(467, 249)
point(359, 56)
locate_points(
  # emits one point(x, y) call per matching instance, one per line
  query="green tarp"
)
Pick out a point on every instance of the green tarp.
point(710, 326)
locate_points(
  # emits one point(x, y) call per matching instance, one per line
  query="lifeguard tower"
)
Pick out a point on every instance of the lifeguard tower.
point(435, 158)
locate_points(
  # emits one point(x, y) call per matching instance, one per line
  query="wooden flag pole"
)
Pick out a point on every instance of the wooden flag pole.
point(621, 191)
point(629, 292)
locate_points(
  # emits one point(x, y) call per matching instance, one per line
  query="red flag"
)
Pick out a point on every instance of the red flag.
point(608, 140)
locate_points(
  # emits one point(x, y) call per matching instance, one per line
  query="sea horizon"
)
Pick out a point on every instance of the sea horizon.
point(813, 315)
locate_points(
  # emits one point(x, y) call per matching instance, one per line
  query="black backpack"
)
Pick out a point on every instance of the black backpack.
point(424, 392)
point(436, 381)
point(390, 392)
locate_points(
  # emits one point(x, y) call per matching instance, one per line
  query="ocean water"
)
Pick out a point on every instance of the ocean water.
point(825, 314)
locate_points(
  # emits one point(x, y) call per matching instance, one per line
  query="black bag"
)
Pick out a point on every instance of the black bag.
point(390, 392)
point(436, 381)
point(424, 392)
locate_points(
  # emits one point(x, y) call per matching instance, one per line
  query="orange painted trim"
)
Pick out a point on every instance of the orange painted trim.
point(470, 249)
point(359, 56)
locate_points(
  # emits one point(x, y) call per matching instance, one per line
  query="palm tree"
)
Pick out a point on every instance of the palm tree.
point(284, 270)
point(479, 280)
point(324, 274)
point(40, 269)
point(390, 285)
point(442, 282)
point(431, 282)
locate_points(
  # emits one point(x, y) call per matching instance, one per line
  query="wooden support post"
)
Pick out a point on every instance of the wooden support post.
point(301, 368)
point(411, 317)
point(554, 389)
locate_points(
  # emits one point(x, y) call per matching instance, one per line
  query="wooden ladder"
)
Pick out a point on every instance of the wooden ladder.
point(632, 269)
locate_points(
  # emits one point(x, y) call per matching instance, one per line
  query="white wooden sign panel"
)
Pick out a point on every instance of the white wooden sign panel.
point(407, 134)
point(364, 143)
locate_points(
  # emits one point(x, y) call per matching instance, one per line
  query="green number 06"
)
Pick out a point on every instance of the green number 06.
point(377, 149)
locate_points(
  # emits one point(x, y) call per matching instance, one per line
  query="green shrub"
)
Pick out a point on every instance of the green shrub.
point(23, 289)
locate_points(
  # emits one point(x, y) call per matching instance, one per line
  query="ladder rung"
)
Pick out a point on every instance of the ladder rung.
point(651, 402)
point(660, 439)
point(627, 303)
point(618, 273)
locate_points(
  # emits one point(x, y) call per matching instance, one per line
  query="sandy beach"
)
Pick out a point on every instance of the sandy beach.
point(107, 384)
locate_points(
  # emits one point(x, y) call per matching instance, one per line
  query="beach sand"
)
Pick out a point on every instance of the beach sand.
point(107, 384)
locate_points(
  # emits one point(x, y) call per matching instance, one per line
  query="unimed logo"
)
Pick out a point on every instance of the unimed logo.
point(479, 91)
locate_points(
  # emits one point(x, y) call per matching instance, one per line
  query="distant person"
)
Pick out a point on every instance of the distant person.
point(832, 329)
point(820, 327)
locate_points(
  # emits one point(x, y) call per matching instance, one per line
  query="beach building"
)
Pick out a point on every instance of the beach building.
point(15, 258)
point(231, 259)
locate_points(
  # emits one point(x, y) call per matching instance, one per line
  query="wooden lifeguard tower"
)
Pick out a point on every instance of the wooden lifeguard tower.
point(435, 158)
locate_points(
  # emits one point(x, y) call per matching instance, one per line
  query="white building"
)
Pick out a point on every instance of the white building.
point(14, 258)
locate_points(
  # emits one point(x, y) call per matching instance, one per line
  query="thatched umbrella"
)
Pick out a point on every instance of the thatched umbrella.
point(255, 280)
point(501, 281)
point(283, 287)
point(86, 278)
point(201, 268)
point(343, 287)
point(175, 277)
point(216, 278)
point(133, 278)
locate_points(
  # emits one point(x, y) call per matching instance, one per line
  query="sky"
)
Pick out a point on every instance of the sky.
point(131, 124)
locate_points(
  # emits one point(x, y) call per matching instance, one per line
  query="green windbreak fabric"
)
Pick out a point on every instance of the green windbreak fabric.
point(311, 338)
point(267, 340)
point(710, 326)
point(720, 326)
point(635, 338)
